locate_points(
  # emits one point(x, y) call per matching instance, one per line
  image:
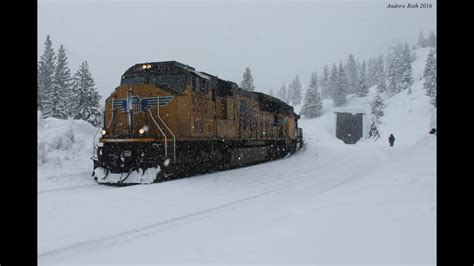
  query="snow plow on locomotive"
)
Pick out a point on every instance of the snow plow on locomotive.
point(168, 120)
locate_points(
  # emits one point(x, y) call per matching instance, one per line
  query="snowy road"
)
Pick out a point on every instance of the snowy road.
point(326, 204)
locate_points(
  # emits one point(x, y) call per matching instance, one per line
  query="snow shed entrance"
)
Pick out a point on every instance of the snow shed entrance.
point(349, 127)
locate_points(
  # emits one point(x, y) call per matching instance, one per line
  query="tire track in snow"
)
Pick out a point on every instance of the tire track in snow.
point(65, 188)
point(63, 176)
point(115, 239)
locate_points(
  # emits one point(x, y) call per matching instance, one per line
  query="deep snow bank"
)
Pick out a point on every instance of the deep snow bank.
point(63, 140)
point(64, 151)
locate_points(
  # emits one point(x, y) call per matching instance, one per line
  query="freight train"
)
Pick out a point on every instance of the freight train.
point(168, 120)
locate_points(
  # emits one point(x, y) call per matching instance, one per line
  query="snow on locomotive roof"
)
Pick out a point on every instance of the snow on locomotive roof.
point(200, 74)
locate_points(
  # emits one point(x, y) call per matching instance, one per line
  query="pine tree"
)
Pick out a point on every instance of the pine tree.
point(55, 105)
point(377, 108)
point(85, 98)
point(406, 78)
point(395, 70)
point(430, 77)
point(247, 81)
point(380, 75)
point(374, 132)
point(341, 87)
point(282, 94)
point(362, 87)
point(358, 68)
point(351, 73)
point(391, 74)
point(325, 83)
point(333, 81)
point(289, 92)
point(371, 80)
point(421, 39)
point(313, 105)
point(431, 41)
point(46, 67)
point(377, 112)
point(270, 92)
point(294, 91)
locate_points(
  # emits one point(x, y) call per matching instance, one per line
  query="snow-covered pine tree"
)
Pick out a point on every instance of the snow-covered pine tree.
point(324, 83)
point(371, 80)
point(406, 78)
point(431, 41)
point(312, 106)
point(421, 39)
point(341, 87)
point(332, 81)
point(358, 66)
point(295, 91)
point(377, 108)
point(377, 112)
point(430, 77)
point(270, 92)
point(400, 65)
point(391, 74)
point(56, 102)
point(374, 132)
point(46, 67)
point(85, 98)
point(289, 92)
point(395, 69)
point(247, 81)
point(351, 73)
point(380, 75)
point(282, 94)
point(362, 87)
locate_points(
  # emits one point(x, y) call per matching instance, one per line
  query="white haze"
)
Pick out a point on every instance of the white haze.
point(277, 40)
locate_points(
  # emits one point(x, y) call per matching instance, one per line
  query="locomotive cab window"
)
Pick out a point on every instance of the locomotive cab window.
point(173, 81)
point(130, 80)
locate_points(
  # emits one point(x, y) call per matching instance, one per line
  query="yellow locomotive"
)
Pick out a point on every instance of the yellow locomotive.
point(168, 120)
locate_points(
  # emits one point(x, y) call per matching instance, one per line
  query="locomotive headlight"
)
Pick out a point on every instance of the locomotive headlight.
point(141, 131)
point(148, 66)
point(144, 66)
point(103, 132)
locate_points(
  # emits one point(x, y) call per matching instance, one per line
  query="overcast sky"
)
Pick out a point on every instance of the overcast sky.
point(276, 39)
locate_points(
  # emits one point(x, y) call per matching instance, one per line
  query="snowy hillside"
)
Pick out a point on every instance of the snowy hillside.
point(408, 116)
point(329, 203)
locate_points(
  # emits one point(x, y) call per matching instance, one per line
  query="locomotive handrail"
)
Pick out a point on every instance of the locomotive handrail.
point(171, 132)
point(166, 140)
point(112, 118)
point(174, 138)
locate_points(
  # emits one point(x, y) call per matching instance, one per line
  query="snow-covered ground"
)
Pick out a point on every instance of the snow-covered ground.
point(329, 203)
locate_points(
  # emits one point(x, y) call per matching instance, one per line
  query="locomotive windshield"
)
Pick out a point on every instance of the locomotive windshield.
point(174, 81)
point(136, 79)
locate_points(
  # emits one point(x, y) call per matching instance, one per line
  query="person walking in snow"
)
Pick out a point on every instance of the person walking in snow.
point(391, 139)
